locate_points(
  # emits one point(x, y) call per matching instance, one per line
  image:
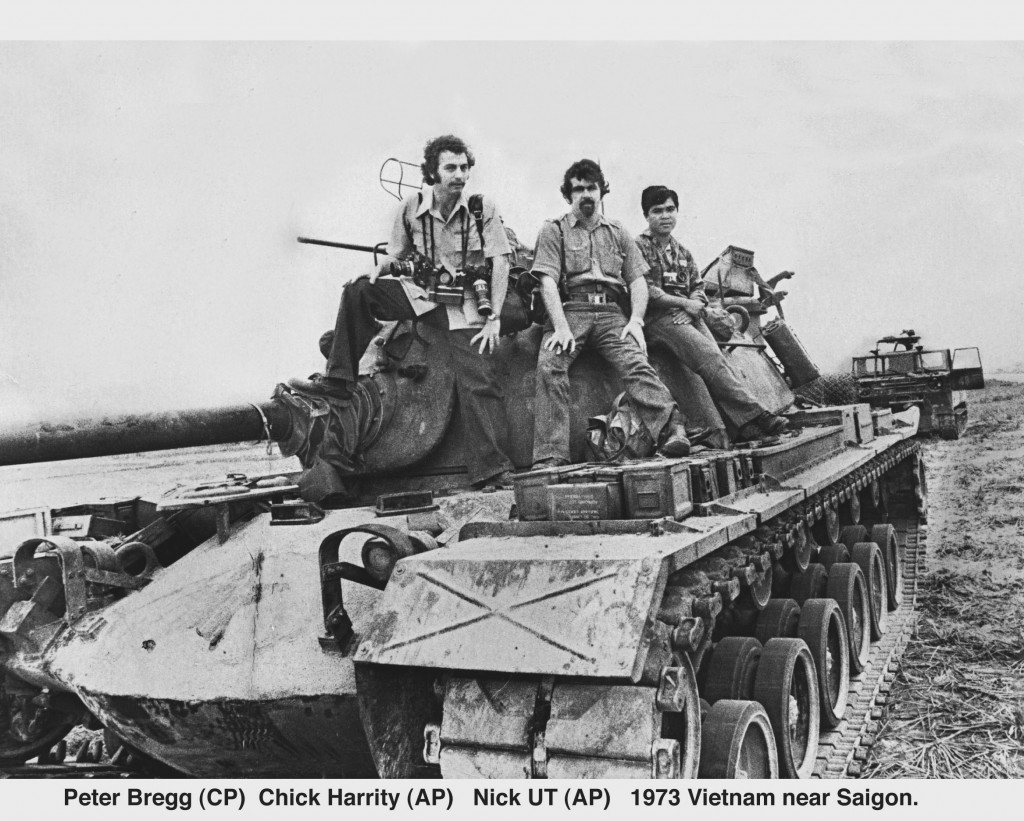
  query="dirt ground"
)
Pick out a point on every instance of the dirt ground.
point(957, 710)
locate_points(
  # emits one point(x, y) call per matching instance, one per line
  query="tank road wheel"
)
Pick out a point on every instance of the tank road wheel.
point(809, 585)
point(872, 504)
point(787, 687)
point(801, 550)
point(868, 557)
point(732, 669)
point(832, 554)
point(826, 529)
point(849, 511)
point(737, 742)
point(846, 585)
point(823, 629)
point(777, 621)
point(28, 729)
point(885, 537)
point(853, 534)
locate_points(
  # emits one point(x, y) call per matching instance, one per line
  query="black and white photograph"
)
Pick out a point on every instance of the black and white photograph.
point(480, 407)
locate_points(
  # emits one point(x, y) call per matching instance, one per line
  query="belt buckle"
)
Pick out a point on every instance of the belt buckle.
point(596, 299)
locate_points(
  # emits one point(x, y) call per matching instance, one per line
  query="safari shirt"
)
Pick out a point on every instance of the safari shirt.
point(412, 231)
point(672, 264)
point(606, 253)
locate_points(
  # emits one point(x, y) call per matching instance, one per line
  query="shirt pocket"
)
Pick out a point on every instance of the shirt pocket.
point(610, 260)
point(577, 258)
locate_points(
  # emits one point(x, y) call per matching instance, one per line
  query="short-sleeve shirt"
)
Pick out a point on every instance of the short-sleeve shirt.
point(605, 253)
point(673, 266)
point(419, 226)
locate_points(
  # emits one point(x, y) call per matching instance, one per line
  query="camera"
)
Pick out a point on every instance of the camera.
point(419, 269)
point(443, 286)
point(671, 285)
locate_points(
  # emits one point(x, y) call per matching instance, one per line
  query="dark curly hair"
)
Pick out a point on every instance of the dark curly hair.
point(586, 170)
point(432, 153)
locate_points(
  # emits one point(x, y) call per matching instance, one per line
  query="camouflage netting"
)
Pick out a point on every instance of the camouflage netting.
point(830, 389)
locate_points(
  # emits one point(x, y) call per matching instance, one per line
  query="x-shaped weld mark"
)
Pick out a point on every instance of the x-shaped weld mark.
point(501, 613)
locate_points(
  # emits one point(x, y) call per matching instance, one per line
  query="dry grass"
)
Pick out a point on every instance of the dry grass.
point(957, 710)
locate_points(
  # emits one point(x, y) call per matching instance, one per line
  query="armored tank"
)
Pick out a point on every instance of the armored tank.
point(729, 614)
point(933, 380)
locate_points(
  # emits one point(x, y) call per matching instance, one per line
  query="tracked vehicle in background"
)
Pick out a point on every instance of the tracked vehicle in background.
point(730, 614)
point(933, 380)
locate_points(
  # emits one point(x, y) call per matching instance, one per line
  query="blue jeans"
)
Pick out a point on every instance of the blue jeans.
point(600, 330)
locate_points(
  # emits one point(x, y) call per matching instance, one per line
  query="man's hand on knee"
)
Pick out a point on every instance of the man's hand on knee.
point(488, 337)
point(561, 341)
point(636, 330)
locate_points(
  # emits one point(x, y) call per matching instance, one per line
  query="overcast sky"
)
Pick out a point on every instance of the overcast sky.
point(151, 193)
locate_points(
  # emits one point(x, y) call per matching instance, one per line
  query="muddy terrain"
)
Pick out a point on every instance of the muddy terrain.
point(957, 710)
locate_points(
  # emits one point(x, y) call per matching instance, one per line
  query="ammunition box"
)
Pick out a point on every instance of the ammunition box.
point(653, 491)
point(531, 490)
point(728, 473)
point(584, 501)
point(882, 418)
point(865, 423)
point(703, 481)
point(839, 415)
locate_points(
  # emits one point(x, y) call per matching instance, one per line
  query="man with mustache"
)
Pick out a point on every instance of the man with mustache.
point(442, 227)
point(675, 315)
point(595, 262)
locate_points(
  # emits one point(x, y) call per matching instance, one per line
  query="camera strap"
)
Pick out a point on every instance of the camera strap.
point(476, 208)
point(428, 245)
point(563, 287)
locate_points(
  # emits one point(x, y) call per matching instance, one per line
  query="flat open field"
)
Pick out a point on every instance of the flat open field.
point(957, 710)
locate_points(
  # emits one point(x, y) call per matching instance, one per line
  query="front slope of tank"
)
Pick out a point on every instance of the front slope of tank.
point(215, 667)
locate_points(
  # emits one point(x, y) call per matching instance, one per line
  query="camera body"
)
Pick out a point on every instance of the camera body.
point(446, 287)
point(671, 285)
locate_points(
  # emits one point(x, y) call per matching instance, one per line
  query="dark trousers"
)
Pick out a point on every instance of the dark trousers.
point(362, 304)
point(693, 345)
point(599, 330)
point(479, 392)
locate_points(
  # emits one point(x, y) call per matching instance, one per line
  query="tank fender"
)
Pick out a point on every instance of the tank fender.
point(535, 605)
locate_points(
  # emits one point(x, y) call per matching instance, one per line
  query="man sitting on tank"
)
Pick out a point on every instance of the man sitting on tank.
point(586, 264)
point(438, 232)
point(675, 318)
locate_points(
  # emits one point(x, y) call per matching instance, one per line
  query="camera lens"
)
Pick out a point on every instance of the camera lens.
point(483, 297)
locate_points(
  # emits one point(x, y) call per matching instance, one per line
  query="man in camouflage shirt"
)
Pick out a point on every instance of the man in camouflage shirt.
point(675, 317)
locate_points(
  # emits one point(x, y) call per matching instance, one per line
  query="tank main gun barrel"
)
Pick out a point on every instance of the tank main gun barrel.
point(108, 436)
point(379, 248)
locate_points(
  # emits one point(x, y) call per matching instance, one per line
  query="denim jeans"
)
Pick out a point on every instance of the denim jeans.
point(599, 330)
point(693, 345)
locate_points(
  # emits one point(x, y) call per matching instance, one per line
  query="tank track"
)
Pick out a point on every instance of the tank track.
point(843, 751)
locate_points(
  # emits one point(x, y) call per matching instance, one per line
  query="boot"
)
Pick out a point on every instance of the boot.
point(762, 426)
point(673, 440)
point(321, 385)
